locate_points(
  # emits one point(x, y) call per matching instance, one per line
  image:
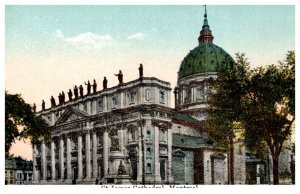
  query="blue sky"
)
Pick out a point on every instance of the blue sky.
point(236, 28)
point(49, 49)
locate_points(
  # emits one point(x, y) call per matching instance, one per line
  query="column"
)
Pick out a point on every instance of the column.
point(169, 165)
point(34, 173)
point(105, 153)
point(88, 155)
point(61, 158)
point(52, 160)
point(105, 104)
point(94, 107)
point(44, 164)
point(140, 95)
point(69, 168)
point(53, 118)
point(79, 139)
point(122, 100)
point(95, 169)
point(168, 93)
point(140, 155)
point(88, 107)
point(156, 155)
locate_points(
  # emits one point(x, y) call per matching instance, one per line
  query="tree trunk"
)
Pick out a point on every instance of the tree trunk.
point(230, 161)
point(275, 169)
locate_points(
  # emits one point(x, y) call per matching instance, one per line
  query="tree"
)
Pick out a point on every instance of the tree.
point(267, 107)
point(225, 105)
point(21, 123)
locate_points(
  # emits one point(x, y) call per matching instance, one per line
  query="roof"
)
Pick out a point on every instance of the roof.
point(203, 59)
point(186, 119)
point(206, 57)
point(187, 141)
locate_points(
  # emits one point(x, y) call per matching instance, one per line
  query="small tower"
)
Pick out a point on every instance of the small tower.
point(205, 34)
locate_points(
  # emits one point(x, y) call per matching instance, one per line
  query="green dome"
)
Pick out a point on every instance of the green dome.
point(204, 58)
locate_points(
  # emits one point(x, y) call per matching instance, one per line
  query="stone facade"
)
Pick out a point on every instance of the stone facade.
point(129, 134)
point(109, 136)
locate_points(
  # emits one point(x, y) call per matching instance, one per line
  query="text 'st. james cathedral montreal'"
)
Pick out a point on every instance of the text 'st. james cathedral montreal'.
point(129, 134)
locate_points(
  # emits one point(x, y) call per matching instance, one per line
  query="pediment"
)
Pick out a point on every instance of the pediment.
point(71, 114)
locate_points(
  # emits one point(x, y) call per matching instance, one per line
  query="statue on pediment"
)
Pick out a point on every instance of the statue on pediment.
point(43, 105)
point(94, 87)
point(63, 97)
point(81, 91)
point(70, 94)
point(76, 92)
point(88, 87)
point(52, 100)
point(141, 71)
point(120, 77)
point(34, 108)
point(104, 83)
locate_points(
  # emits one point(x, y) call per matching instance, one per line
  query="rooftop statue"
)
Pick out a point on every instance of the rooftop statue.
point(88, 87)
point(81, 91)
point(76, 92)
point(43, 105)
point(120, 77)
point(104, 83)
point(141, 71)
point(94, 87)
point(70, 95)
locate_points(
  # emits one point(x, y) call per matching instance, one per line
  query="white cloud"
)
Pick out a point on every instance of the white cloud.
point(87, 40)
point(137, 35)
point(58, 34)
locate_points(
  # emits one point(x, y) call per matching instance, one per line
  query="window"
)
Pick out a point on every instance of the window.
point(188, 96)
point(162, 135)
point(131, 95)
point(148, 152)
point(161, 96)
point(114, 102)
point(148, 169)
point(200, 92)
point(148, 134)
point(147, 95)
point(100, 105)
point(11, 182)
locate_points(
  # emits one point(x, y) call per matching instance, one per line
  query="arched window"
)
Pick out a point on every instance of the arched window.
point(148, 153)
point(148, 135)
point(148, 168)
point(162, 96)
point(114, 102)
point(100, 105)
point(188, 95)
point(147, 95)
point(200, 92)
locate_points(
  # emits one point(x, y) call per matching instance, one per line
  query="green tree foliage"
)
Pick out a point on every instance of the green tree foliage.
point(270, 100)
point(21, 123)
point(225, 104)
point(259, 100)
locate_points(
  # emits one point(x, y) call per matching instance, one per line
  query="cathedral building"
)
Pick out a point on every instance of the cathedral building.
point(129, 134)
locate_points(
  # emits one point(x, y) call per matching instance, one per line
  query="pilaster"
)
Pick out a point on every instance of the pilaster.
point(43, 160)
point(61, 158)
point(95, 166)
point(79, 152)
point(53, 175)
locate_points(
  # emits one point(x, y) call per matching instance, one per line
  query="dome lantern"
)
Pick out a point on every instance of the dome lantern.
point(206, 36)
